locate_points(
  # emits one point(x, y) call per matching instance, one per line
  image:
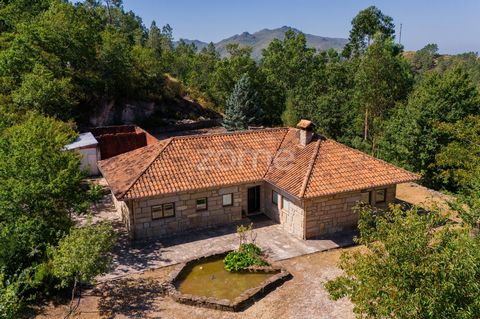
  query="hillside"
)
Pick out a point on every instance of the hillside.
point(261, 39)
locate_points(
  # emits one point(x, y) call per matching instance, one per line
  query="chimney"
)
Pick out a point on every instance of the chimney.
point(306, 131)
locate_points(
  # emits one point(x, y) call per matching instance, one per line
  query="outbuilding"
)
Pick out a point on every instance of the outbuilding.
point(87, 146)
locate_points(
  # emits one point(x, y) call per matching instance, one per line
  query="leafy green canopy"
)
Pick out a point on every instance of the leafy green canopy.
point(40, 187)
point(417, 131)
point(63, 59)
point(383, 78)
point(411, 268)
point(365, 25)
point(83, 254)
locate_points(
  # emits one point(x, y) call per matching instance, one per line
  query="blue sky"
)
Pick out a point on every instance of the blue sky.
point(453, 25)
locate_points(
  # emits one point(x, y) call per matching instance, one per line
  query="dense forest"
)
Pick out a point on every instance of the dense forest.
point(59, 61)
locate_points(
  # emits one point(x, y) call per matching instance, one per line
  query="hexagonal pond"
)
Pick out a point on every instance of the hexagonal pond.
point(205, 282)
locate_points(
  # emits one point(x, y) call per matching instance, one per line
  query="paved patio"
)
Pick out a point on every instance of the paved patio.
point(131, 257)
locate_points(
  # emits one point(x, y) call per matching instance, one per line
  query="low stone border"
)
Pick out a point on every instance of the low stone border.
point(240, 303)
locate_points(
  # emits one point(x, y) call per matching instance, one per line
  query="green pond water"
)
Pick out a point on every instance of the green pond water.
point(210, 279)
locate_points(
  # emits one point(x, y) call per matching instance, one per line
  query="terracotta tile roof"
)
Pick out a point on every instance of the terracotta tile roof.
point(122, 170)
point(289, 169)
point(339, 168)
point(178, 164)
point(201, 161)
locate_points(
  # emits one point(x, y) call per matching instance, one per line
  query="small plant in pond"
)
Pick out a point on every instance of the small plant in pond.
point(248, 254)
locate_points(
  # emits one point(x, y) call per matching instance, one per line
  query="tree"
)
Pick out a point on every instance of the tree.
point(410, 268)
point(365, 25)
point(154, 40)
point(115, 62)
point(40, 187)
point(242, 106)
point(457, 160)
point(424, 59)
point(413, 135)
point(230, 69)
point(286, 66)
point(467, 202)
point(41, 91)
point(82, 255)
point(382, 79)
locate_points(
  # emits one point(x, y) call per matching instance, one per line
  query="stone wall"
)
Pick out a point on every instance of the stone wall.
point(186, 215)
point(291, 220)
point(329, 214)
point(324, 215)
point(125, 213)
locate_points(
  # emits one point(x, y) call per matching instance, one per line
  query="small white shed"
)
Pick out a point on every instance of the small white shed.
point(87, 145)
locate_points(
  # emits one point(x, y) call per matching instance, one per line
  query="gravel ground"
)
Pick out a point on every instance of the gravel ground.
point(136, 297)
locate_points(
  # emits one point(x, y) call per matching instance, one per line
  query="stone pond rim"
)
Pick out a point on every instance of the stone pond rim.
point(240, 303)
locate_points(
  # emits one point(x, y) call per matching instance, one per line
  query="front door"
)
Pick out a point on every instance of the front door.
point(253, 200)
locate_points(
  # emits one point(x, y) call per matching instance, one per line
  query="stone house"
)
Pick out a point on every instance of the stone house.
point(303, 181)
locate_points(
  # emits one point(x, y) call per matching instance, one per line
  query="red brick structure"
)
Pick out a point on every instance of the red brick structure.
point(115, 140)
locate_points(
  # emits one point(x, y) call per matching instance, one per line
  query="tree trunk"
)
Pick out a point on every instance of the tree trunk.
point(70, 310)
point(73, 292)
point(107, 2)
point(365, 126)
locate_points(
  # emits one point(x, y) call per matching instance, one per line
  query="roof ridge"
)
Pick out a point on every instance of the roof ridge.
point(276, 152)
point(310, 169)
point(375, 158)
point(195, 136)
point(146, 168)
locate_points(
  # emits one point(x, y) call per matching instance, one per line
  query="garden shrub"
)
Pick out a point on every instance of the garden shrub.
point(246, 256)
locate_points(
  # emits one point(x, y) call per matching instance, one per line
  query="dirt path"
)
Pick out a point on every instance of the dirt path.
point(138, 296)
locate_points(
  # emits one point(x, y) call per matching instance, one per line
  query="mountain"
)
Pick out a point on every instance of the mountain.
point(261, 39)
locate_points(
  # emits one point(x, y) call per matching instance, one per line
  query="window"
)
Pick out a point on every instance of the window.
point(275, 197)
point(380, 195)
point(202, 203)
point(169, 210)
point(285, 203)
point(157, 212)
point(365, 197)
point(163, 211)
point(227, 200)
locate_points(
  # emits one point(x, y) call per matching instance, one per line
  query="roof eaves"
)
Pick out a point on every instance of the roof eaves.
point(122, 194)
point(352, 189)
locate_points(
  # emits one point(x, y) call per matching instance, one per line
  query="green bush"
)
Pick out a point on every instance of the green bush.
point(246, 256)
point(10, 301)
point(250, 249)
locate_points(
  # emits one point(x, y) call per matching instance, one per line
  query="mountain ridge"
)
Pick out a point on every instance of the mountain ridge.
point(261, 39)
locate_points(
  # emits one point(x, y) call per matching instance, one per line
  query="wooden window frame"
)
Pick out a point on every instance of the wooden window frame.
point(206, 204)
point(162, 211)
point(231, 200)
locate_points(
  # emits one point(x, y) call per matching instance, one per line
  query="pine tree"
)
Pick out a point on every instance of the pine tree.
point(242, 106)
